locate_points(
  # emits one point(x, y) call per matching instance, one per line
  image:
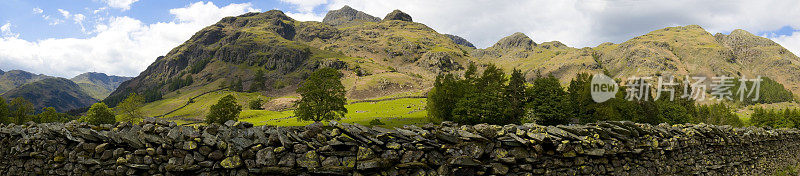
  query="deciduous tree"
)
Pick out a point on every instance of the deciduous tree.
point(323, 96)
point(225, 109)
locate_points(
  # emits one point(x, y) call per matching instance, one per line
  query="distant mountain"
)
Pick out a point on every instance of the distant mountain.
point(98, 85)
point(15, 78)
point(60, 93)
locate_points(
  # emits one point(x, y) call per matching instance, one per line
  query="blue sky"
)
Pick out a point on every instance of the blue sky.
point(33, 26)
point(122, 37)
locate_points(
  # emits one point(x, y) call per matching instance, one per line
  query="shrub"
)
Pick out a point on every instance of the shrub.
point(256, 104)
point(375, 122)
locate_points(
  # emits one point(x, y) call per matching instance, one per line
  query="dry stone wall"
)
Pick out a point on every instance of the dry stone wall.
point(236, 148)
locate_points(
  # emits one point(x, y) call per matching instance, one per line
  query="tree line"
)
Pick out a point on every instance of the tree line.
point(493, 98)
point(785, 118)
point(20, 111)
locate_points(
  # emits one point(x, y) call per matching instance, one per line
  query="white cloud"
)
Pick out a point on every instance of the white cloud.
point(56, 22)
point(574, 22)
point(790, 42)
point(120, 4)
point(121, 46)
point(208, 13)
point(305, 16)
point(78, 18)
point(98, 10)
point(5, 31)
point(305, 9)
point(37, 10)
point(64, 13)
point(306, 6)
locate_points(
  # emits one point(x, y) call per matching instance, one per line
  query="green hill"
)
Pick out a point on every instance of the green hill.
point(60, 93)
point(15, 78)
point(377, 58)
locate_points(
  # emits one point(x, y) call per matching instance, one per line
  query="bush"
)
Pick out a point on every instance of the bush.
point(259, 82)
point(49, 115)
point(198, 66)
point(225, 109)
point(375, 122)
point(278, 84)
point(256, 104)
point(98, 114)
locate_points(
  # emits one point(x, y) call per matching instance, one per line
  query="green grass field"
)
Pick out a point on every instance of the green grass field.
point(199, 107)
point(392, 113)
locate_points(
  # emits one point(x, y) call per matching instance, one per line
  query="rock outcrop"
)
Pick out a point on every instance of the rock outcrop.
point(460, 41)
point(517, 40)
point(398, 15)
point(348, 16)
point(156, 147)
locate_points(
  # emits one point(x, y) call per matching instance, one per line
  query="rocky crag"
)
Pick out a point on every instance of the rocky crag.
point(236, 148)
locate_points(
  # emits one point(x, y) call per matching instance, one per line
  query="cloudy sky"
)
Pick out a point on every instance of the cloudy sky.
point(122, 37)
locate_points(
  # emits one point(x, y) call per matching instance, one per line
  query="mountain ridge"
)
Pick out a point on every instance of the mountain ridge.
point(386, 57)
point(59, 93)
point(98, 85)
point(15, 78)
point(37, 89)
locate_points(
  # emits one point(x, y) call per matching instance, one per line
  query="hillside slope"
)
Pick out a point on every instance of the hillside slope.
point(15, 78)
point(60, 93)
point(690, 50)
point(377, 58)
